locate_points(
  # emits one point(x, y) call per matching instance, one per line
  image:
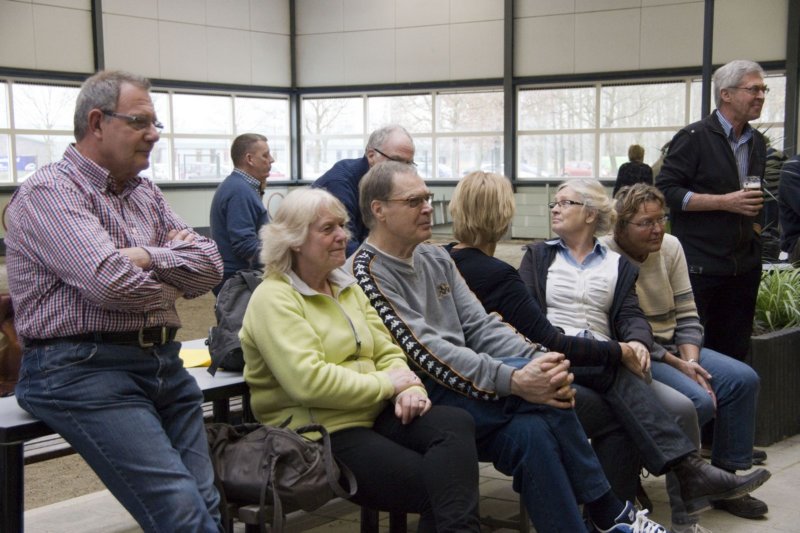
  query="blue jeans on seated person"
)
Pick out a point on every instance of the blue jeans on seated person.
point(135, 416)
point(736, 386)
point(542, 447)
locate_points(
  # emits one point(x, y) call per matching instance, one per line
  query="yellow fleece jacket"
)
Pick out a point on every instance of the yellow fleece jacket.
point(318, 358)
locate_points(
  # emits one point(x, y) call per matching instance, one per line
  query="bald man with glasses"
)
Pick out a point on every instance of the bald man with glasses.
point(389, 143)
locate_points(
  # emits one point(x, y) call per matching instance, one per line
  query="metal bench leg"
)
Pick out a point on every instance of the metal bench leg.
point(398, 523)
point(369, 520)
point(11, 497)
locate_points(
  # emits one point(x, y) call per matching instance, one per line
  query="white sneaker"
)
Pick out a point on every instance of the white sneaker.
point(689, 528)
point(633, 521)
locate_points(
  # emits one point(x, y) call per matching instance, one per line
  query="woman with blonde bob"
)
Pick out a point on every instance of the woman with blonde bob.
point(315, 350)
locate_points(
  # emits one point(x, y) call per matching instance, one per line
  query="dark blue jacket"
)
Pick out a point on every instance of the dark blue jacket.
point(237, 214)
point(342, 181)
point(789, 203)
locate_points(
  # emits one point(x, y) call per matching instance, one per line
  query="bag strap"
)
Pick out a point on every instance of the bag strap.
point(224, 510)
point(277, 507)
point(327, 456)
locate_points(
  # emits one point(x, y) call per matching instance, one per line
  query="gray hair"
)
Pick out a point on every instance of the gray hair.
point(101, 91)
point(594, 196)
point(377, 184)
point(731, 74)
point(379, 137)
point(289, 228)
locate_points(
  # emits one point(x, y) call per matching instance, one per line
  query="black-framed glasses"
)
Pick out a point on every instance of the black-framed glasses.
point(753, 89)
point(134, 121)
point(414, 201)
point(563, 203)
point(650, 224)
point(396, 159)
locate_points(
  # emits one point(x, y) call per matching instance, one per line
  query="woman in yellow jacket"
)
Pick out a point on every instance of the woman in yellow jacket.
point(317, 350)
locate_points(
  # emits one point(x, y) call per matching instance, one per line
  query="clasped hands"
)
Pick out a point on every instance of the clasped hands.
point(545, 380)
point(141, 258)
point(409, 401)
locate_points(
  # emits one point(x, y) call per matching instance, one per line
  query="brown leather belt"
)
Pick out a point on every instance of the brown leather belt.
point(143, 338)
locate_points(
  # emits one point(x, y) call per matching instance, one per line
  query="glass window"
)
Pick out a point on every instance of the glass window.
point(555, 156)
point(5, 168)
point(161, 105)
point(331, 116)
point(414, 112)
point(267, 116)
point(160, 163)
point(35, 151)
point(614, 148)
point(202, 159)
point(652, 105)
point(321, 153)
point(469, 112)
point(557, 109)
point(44, 107)
point(202, 114)
point(3, 105)
point(458, 156)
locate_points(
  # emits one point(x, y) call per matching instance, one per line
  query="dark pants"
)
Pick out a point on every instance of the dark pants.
point(726, 305)
point(429, 467)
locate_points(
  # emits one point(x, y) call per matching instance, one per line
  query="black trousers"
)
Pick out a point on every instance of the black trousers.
point(727, 305)
point(429, 467)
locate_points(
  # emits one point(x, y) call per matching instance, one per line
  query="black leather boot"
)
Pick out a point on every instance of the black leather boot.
point(702, 482)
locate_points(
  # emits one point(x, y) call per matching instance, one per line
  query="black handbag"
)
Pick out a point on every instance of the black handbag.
point(254, 463)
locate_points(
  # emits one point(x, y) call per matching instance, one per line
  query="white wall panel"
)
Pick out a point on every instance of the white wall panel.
point(421, 12)
point(369, 57)
point(361, 15)
point(545, 45)
point(589, 6)
point(320, 59)
point(538, 8)
point(84, 5)
point(672, 36)
point(185, 11)
point(228, 13)
point(119, 54)
point(607, 41)
point(475, 10)
point(319, 16)
point(423, 54)
point(270, 16)
point(182, 51)
point(140, 8)
point(269, 59)
point(476, 50)
point(750, 30)
point(228, 55)
point(63, 39)
point(17, 44)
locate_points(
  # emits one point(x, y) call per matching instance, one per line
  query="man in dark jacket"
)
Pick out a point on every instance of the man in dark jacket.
point(789, 206)
point(716, 220)
point(390, 143)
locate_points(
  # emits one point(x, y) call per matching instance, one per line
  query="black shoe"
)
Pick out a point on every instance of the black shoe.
point(759, 457)
point(701, 482)
point(744, 507)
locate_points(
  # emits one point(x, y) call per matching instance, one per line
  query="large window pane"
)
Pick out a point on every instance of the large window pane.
point(5, 167)
point(3, 105)
point(469, 112)
point(320, 154)
point(44, 107)
point(202, 159)
point(414, 112)
point(461, 155)
point(423, 157)
point(160, 164)
point(566, 155)
point(652, 105)
point(35, 151)
point(267, 116)
point(614, 149)
point(557, 109)
point(279, 149)
point(161, 104)
point(196, 113)
point(330, 116)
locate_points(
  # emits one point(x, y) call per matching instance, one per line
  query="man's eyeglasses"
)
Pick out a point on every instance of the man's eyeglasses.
point(136, 122)
point(414, 201)
point(396, 159)
point(753, 89)
point(650, 224)
point(563, 203)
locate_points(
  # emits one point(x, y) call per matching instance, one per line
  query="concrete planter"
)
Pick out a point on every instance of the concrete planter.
point(776, 358)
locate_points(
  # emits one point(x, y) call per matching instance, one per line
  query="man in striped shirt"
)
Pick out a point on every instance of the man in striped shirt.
point(96, 260)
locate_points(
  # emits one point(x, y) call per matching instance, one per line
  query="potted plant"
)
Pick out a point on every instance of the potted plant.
point(774, 354)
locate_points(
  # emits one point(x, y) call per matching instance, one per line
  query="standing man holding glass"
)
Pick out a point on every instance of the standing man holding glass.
point(714, 213)
point(389, 143)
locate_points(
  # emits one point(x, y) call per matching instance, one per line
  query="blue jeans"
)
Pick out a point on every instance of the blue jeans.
point(135, 416)
point(736, 386)
point(543, 448)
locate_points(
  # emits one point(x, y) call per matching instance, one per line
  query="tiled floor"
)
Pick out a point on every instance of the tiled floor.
point(100, 513)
